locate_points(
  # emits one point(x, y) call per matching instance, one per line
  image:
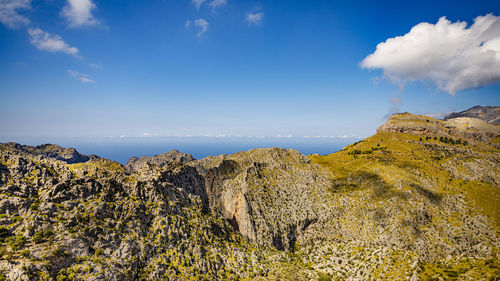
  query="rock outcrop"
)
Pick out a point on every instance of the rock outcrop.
point(51, 151)
point(460, 127)
point(489, 114)
point(271, 196)
point(418, 200)
point(134, 164)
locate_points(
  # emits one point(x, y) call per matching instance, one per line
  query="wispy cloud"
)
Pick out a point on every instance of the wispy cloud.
point(96, 65)
point(395, 105)
point(203, 25)
point(84, 78)
point(9, 13)
point(216, 4)
point(50, 42)
point(254, 18)
point(453, 56)
point(198, 3)
point(78, 13)
point(187, 24)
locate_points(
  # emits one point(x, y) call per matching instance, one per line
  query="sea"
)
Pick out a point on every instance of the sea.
point(121, 149)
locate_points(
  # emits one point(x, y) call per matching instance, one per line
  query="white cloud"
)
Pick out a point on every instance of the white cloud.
point(254, 18)
point(197, 3)
point(187, 24)
point(149, 135)
point(453, 56)
point(78, 13)
point(50, 42)
point(217, 3)
point(9, 14)
point(203, 25)
point(84, 78)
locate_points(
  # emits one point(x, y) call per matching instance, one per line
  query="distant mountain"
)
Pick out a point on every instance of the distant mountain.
point(490, 114)
point(416, 201)
point(51, 151)
point(134, 164)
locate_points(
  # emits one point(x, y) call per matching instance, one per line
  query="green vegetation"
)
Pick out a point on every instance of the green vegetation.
point(324, 277)
point(474, 269)
point(4, 233)
point(383, 208)
point(16, 242)
point(42, 236)
point(25, 253)
point(484, 197)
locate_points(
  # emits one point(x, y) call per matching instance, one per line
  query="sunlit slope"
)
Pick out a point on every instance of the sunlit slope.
point(427, 186)
point(416, 201)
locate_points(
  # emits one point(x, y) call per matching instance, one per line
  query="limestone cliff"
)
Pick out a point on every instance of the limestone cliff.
point(417, 200)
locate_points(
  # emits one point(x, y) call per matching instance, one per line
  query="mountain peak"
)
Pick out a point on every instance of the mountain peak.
point(52, 151)
point(490, 114)
point(135, 163)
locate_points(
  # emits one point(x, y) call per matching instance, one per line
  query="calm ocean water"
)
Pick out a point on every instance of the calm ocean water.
point(121, 150)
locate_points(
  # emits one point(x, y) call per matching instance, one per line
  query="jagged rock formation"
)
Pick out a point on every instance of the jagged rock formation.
point(489, 114)
point(272, 196)
point(95, 221)
point(134, 164)
point(51, 151)
point(418, 200)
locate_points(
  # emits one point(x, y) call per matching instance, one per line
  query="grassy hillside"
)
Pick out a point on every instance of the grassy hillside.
point(456, 178)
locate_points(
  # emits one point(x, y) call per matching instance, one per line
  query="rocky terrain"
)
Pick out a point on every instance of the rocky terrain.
point(490, 114)
point(416, 201)
point(134, 164)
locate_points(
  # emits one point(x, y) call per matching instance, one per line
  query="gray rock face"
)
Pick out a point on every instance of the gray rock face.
point(270, 195)
point(51, 151)
point(94, 221)
point(134, 164)
point(490, 114)
point(400, 207)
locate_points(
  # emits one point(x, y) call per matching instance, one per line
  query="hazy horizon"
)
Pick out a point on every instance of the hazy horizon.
point(122, 149)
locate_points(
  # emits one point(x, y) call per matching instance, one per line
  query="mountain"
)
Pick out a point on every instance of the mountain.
point(490, 114)
point(134, 164)
point(417, 200)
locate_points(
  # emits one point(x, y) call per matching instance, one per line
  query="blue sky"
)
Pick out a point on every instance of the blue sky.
point(84, 68)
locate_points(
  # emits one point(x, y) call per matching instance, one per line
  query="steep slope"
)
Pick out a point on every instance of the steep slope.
point(272, 196)
point(423, 186)
point(93, 221)
point(417, 200)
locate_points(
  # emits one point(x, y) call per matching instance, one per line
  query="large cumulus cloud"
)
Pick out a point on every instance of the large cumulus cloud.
point(453, 56)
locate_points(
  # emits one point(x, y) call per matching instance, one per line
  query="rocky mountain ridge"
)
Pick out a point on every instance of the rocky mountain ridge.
point(489, 114)
point(135, 163)
point(418, 200)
